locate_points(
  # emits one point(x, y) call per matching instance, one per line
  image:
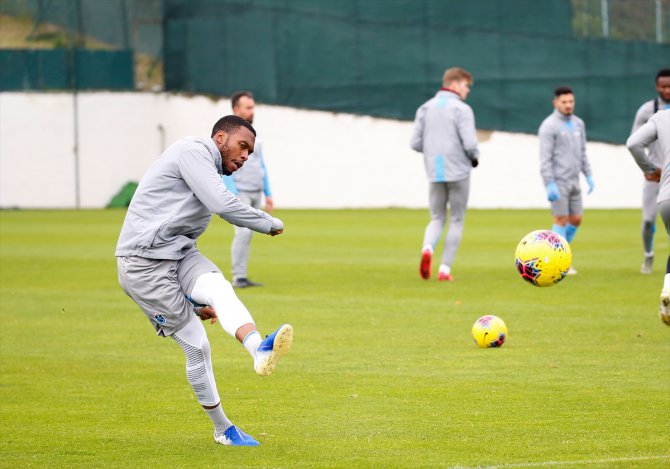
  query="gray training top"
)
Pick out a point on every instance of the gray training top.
point(175, 200)
point(563, 148)
point(656, 129)
point(444, 131)
point(642, 116)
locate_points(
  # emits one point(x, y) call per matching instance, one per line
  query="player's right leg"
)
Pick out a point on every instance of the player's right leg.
point(241, 246)
point(205, 284)
point(438, 197)
point(649, 213)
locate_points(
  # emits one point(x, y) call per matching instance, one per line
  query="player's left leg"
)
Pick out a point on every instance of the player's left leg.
point(459, 192)
point(664, 312)
point(575, 210)
point(192, 338)
point(649, 213)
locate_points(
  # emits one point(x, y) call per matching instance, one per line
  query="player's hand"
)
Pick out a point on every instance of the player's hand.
point(276, 232)
point(475, 163)
point(269, 204)
point(207, 312)
point(553, 194)
point(653, 176)
point(589, 181)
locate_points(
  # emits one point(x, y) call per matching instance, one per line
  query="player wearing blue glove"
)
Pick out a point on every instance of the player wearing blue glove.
point(562, 159)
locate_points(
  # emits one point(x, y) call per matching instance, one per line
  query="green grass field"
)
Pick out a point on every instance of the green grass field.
point(383, 371)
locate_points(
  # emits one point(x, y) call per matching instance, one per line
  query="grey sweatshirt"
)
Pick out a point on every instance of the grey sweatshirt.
point(444, 131)
point(642, 116)
point(563, 148)
point(175, 199)
point(657, 129)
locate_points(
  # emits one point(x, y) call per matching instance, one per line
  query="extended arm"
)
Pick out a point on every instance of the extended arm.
point(200, 174)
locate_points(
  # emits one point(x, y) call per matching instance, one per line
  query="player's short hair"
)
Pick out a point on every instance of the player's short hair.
point(456, 74)
point(235, 98)
point(561, 90)
point(664, 72)
point(231, 124)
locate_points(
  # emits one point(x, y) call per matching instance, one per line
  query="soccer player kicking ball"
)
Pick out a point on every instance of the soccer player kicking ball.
point(161, 269)
point(657, 129)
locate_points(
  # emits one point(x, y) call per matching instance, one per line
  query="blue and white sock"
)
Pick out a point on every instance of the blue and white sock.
point(559, 229)
point(570, 231)
point(251, 343)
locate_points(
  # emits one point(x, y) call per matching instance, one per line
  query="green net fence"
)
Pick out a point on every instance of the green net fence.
point(385, 57)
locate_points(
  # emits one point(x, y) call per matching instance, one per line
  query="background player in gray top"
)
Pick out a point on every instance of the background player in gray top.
point(444, 131)
point(161, 269)
point(562, 157)
point(249, 183)
point(650, 187)
point(657, 129)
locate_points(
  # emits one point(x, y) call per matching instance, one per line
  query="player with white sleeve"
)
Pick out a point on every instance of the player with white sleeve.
point(650, 188)
point(657, 129)
point(161, 269)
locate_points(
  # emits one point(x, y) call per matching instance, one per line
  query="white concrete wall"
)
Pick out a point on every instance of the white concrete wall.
point(315, 159)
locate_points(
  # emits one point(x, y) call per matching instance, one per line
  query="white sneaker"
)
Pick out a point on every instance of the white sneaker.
point(572, 271)
point(272, 348)
point(647, 265)
point(664, 311)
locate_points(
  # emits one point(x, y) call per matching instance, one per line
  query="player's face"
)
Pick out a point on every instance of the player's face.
point(461, 87)
point(235, 148)
point(245, 109)
point(565, 103)
point(663, 88)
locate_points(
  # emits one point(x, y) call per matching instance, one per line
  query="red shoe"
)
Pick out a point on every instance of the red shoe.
point(442, 277)
point(424, 268)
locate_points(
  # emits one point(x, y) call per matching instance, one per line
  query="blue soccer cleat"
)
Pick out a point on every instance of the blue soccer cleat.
point(272, 348)
point(233, 436)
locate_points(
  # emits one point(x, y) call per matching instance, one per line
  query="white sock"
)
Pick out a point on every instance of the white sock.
point(251, 343)
point(649, 254)
point(666, 282)
point(427, 247)
point(218, 418)
point(445, 269)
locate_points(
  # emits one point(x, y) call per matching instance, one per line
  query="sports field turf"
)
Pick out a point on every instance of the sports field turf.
point(383, 371)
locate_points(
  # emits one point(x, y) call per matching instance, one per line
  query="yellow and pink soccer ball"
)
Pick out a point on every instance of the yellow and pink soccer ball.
point(489, 331)
point(543, 258)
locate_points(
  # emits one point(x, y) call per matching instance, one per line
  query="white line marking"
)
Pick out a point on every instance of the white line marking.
point(572, 463)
